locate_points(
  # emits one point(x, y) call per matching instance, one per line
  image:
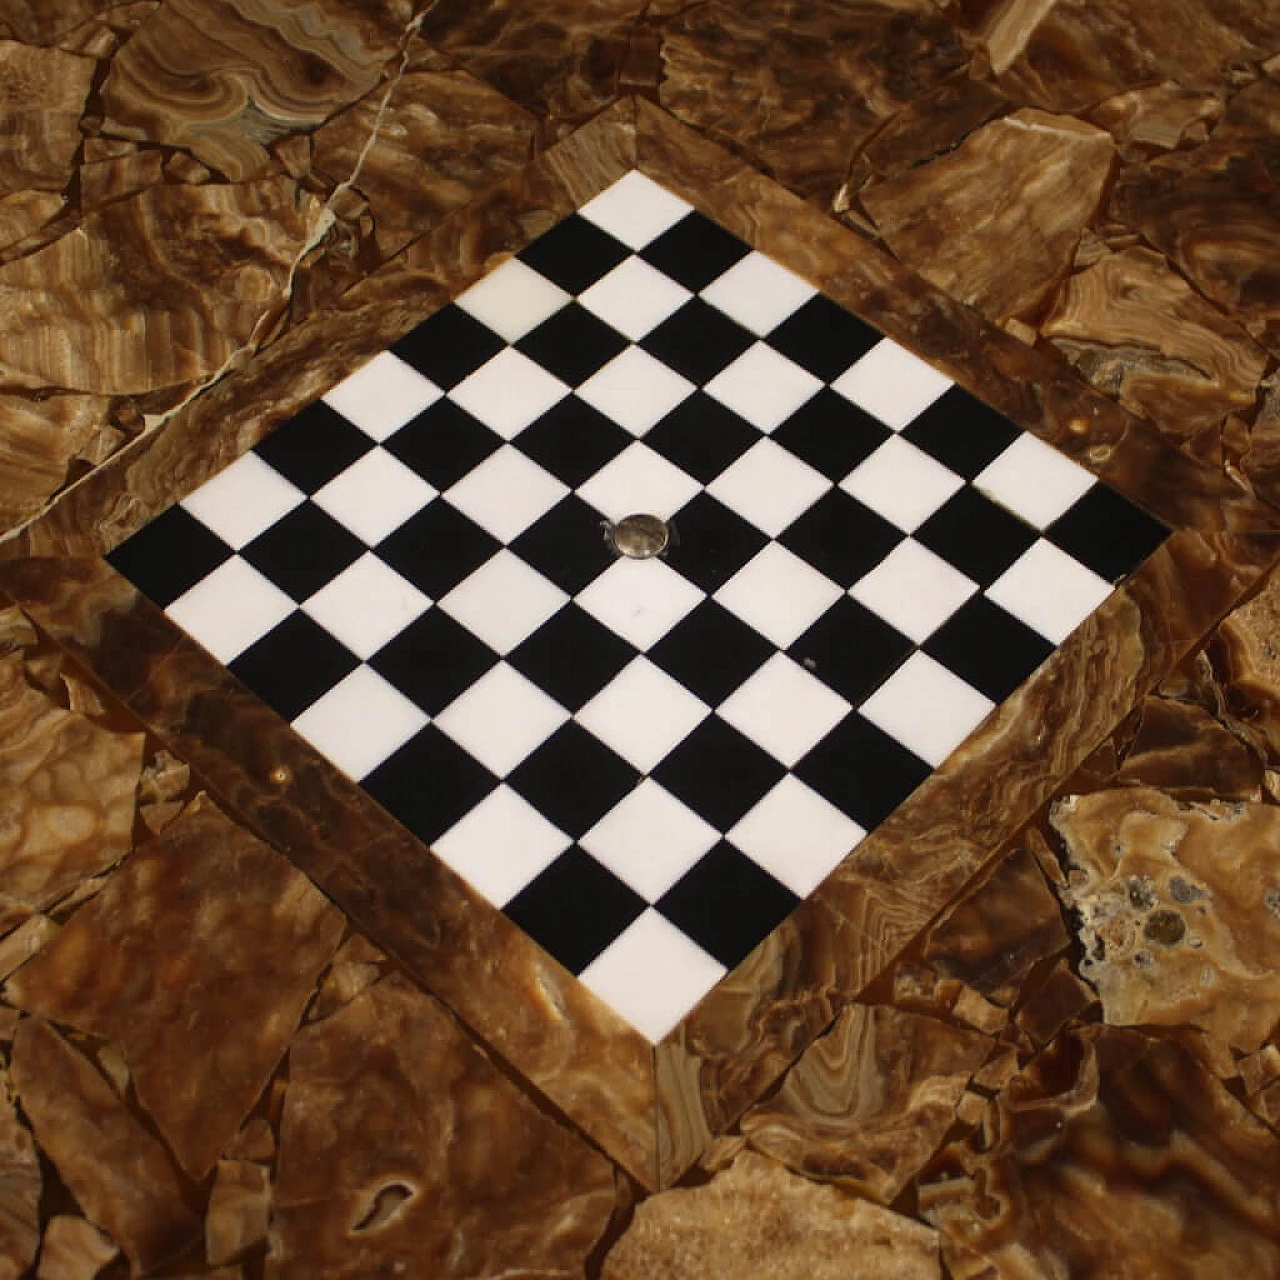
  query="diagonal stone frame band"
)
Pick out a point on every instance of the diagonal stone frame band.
point(652, 1108)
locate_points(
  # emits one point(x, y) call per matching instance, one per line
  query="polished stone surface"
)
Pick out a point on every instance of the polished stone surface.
point(213, 211)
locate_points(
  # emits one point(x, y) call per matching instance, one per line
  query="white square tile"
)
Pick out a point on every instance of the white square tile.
point(784, 709)
point(360, 722)
point(926, 708)
point(634, 298)
point(635, 209)
point(913, 590)
point(1049, 590)
point(758, 293)
point(375, 495)
point(512, 299)
point(509, 392)
point(796, 836)
point(763, 386)
point(382, 395)
point(639, 599)
point(891, 383)
point(652, 975)
point(638, 480)
point(366, 605)
point(506, 493)
point(650, 839)
point(769, 486)
point(1034, 481)
point(501, 845)
point(243, 500)
point(642, 713)
point(635, 390)
point(230, 608)
point(501, 718)
point(778, 594)
point(503, 601)
point(903, 483)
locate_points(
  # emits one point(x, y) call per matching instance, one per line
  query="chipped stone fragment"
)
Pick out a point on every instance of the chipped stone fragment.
point(120, 1175)
point(404, 1151)
point(1107, 1147)
point(757, 1219)
point(73, 1249)
point(868, 1103)
point(27, 939)
point(1179, 909)
point(254, 1142)
point(995, 222)
point(197, 958)
point(239, 1207)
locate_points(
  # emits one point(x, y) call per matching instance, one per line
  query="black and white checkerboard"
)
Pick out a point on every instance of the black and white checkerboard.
point(645, 763)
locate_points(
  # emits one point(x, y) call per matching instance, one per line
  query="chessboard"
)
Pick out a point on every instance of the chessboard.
point(645, 761)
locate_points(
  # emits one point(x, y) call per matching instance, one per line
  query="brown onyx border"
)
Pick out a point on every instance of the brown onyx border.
point(653, 1109)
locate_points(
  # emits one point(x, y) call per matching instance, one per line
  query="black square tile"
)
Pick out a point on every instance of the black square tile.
point(170, 555)
point(574, 254)
point(572, 657)
point(841, 538)
point(437, 548)
point(572, 344)
point(694, 251)
point(702, 437)
point(429, 784)
point(293, 665)
point(862, 771)
point(824, 338)
point(1107, 533)
point(573, 779)
point(851, 649)
point(710, 543)
point(313, 446)
point(718, 773)
point(988, 647)
point(572, 440)
point(831, 434)
point(727, 904)
point(303, 551)
point(433, 660)
point(697, 341)
point(711, 652)
point(443, 443)
point(566, 545)
point(977, 536)
point(448, 345)
point(962, 432)
point(575, 909)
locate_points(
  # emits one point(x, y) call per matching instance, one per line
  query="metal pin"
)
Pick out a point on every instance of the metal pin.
point(639, 537)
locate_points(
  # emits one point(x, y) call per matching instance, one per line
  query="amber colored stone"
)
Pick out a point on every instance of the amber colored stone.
point(121, 1176)
point(403, 1150)
point(439, 138)
point(1137, 330)
point(71, 785)
point(73, 1249)
point(197, 958)
point(1178, 909)
point(1185, 751)
point(757, 1219)
point(1104, 1150)
point(868, 1103)
point(224, 79)
point(239, 1207)
point(206, 283)
point(995, 222)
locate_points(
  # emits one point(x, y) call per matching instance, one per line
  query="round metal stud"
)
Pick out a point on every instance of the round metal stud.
point(638, 536)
